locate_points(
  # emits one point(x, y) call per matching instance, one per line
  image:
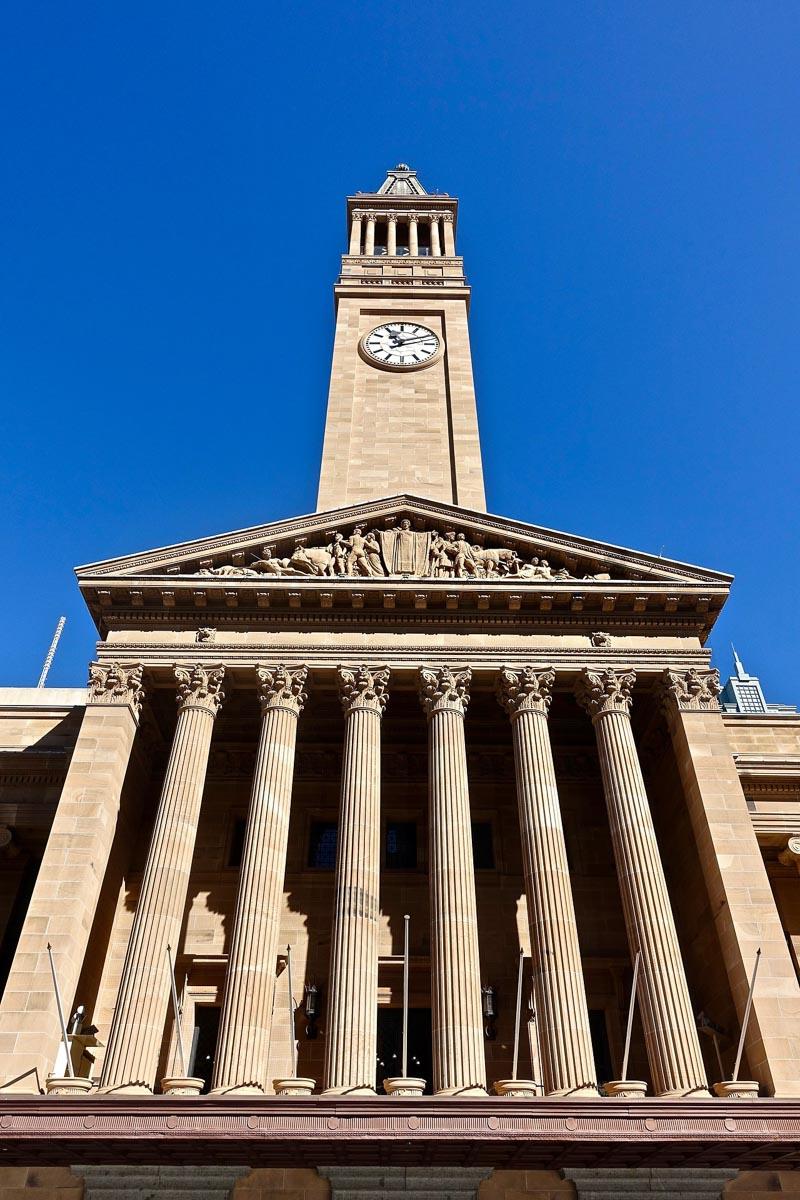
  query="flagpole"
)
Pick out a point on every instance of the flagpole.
point(517, 1017)
point(177, 1011)
point(406, 923)
point(64, 1037)
point(631, 1008)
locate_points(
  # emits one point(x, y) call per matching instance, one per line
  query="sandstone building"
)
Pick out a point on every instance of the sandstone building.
point(296, 735)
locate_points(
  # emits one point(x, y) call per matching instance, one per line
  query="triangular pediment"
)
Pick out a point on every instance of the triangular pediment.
point(401, 537)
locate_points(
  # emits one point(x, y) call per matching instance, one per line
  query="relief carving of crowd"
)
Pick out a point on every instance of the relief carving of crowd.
point(399, 551)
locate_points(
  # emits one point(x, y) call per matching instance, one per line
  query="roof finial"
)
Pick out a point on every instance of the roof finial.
point(737, 662)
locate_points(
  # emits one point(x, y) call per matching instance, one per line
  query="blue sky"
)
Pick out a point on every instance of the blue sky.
point(172, 211)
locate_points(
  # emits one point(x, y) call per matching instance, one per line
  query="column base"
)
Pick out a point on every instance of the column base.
point(700, 1092)
point(408, 1085)
point(182, 1085)
point(68, 1085)
point(125, 1089)
point(626, 1089)
point(585, 1089)
point(469, 1089)
point(525, 1089)
point(739, 1089)
point(358, 1089)
point(238, 1089)
point(294, 1087)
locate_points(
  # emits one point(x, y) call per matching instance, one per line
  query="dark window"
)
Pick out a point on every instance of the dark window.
point(236, 848)
point(322, 845)
point(401, 845)
point(600, 1045)
point(204, 1043)
point(482, 846)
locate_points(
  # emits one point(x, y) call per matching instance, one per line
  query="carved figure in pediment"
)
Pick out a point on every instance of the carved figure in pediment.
point(268, 564)
point(365, 554)
point(464, 561)
point(439, 562)
point(405, 552)
point(340, 550)
point(228, 572)
point(312, 560)
point(493, 562)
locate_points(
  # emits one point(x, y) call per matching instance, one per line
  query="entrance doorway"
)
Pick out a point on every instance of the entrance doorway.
point(390, 1046)
point(204, 1043)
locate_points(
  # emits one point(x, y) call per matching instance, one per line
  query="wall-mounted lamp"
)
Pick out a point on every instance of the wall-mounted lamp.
point(311, 1005)
point(489, 1003)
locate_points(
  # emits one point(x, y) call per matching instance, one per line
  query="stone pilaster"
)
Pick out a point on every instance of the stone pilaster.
point(563, 1016)
point(449, 234)
point(459, 1063)
point(243, 1045)
point(738, 888)
point(138, 1026)
point(355, 233)
point(70, 878)
point(350, 1049)
point(673, 1047)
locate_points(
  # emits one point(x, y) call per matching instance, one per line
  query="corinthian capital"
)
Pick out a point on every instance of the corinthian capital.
point(525, 689)
point(364, 687)
point(282, 687)
point(447, 216)
point(605, 691)
point(443, 690)
point(116, 683)
point(200, 687)
point(690, 691)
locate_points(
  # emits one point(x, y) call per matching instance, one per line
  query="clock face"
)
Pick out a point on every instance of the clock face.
point(402, 345)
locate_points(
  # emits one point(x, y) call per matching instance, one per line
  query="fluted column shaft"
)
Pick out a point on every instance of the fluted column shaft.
point(369, 241)
point(671, 1037)
point(436, 245)
point(355, 233)
point(138, 1026)
point(351, 1046)
point(243, 1045)
point(413, 235)
point(391, 236)
point(562, 1013)
point(458, 1059)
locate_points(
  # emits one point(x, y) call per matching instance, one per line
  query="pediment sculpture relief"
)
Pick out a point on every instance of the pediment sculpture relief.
point(398, 552)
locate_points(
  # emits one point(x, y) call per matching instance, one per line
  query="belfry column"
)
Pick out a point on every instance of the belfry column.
point(351, 1044)
point(563, 1016)
point(436, 245)
point(355, 233)
point(449, 234)
point(413, 234)
point(673, 1047)
point(459, 1065)
point(369, 241)
point(736, 879)
point(391, 235)
point(64, 900)
point(138, 1026)
point(243, 1045)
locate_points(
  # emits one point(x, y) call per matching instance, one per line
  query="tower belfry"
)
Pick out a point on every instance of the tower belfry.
point(401, 407)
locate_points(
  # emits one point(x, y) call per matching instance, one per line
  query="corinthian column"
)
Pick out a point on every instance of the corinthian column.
point(673, 1048)
point(138, 1026)
point(242, 1049)
point(458, 1059)
point(351, 1044)
point(449, 234)
point(563, 1017)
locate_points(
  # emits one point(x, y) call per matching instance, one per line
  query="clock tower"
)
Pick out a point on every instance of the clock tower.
point(401, 407)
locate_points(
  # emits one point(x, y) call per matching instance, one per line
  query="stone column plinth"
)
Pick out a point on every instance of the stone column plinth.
point(735, 877)
point(562, 1013)
point(243, 1045)
point(449, 234)
point(413, 235)
point(673, 1047)
point(355, 233)
point(70, 877)
point(459, 1063)
point(138, 1026)
point(351, 1043)
point(436, 245)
